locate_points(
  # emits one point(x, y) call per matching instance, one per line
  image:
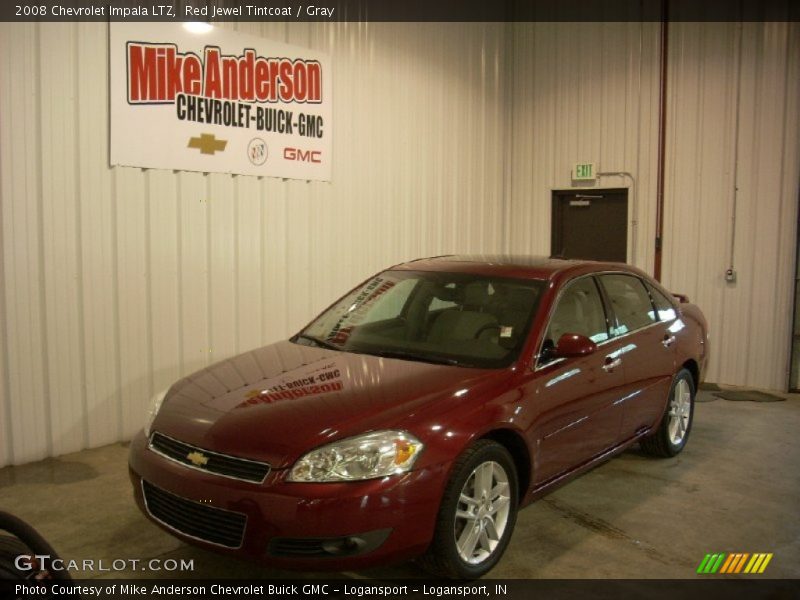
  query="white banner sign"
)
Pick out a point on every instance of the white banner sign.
point(193, 97)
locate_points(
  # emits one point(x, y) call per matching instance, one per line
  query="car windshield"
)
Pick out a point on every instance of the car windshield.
point(450, 318)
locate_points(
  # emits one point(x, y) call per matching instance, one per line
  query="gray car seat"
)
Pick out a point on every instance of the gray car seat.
point(468, 322)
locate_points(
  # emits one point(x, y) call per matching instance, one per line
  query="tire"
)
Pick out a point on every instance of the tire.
point(676, 423)
point(484, 517)
point(10, 548)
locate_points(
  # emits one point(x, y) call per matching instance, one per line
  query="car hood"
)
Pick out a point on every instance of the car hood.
point(280, 401)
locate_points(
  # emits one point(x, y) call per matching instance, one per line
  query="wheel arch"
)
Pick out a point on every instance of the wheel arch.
point(694, 369)
point(513, 442)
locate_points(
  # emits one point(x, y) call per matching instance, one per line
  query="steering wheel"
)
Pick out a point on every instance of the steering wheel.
point(484, 328)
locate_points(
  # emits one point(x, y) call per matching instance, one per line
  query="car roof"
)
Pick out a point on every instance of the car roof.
point(506, 265)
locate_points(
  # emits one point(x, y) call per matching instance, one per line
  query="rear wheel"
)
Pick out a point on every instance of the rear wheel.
point(676, 423)
point(477, 515)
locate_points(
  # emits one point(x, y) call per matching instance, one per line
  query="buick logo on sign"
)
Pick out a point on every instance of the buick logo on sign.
point(257, 151)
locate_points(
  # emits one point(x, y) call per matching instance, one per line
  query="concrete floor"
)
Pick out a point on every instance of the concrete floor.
point(736, 488)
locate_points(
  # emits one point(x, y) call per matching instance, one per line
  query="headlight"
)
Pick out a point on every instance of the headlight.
point(365, 456)
point(152, 411)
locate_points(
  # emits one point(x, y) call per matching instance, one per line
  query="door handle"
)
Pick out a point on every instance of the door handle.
point(668, 340)
point(611, 364)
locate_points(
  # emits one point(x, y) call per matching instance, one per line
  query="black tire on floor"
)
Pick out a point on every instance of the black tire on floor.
point(442, 558)
point(10, 549)
point(659, 443)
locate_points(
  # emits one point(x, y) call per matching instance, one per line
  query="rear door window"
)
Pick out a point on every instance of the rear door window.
point(630, 302)
point(664, 308)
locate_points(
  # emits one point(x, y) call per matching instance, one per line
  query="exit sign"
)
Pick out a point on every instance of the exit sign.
point(583, 171)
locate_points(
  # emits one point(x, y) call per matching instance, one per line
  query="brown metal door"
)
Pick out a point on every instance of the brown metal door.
point(590, 225)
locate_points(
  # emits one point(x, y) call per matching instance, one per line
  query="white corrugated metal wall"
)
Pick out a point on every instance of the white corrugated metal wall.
point(583, 92)
point(751, 320)
point(588, 92)
point(116, 281)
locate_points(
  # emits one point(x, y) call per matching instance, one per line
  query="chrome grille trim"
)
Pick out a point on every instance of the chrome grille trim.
point(267, 468)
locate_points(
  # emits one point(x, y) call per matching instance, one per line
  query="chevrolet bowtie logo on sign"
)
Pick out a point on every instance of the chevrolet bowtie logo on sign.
point(198, 459)
point(735, 562)
point(207, 143)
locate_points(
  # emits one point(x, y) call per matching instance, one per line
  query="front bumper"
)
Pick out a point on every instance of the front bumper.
point(357, 524)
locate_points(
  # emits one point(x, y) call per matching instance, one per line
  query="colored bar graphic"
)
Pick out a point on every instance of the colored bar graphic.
point(734, 563)
point(703, 563)
point(718, 563)
point(741, 562)
point(755, 562)
point(765, 563)
point(711, 563)
point(726, 565)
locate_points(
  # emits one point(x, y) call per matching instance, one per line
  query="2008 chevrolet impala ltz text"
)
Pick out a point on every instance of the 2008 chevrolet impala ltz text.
point(417, 414)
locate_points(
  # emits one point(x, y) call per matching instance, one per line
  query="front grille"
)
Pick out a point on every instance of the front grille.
point(219, 464)
point(197, 520)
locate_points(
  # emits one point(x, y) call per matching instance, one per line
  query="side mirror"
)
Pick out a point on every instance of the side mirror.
point(573, 344)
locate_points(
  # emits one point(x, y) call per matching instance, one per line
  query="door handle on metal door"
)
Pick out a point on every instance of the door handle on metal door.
point(668, 340)
point(611, 364)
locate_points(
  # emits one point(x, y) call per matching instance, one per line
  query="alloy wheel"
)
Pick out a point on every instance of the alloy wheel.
point(680, 409)
point(482, 512)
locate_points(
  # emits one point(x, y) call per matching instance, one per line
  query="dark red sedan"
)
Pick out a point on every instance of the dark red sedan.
point(417, 414)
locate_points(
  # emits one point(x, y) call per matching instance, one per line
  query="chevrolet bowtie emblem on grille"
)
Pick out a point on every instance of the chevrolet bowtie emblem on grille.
point(197, 458)
point(207, 143)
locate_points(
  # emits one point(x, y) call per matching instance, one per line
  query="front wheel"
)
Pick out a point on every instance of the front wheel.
point(477, 514)
point(676, 423)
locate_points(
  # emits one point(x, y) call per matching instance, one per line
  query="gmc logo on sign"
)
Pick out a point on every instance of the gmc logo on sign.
point(312, 156)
